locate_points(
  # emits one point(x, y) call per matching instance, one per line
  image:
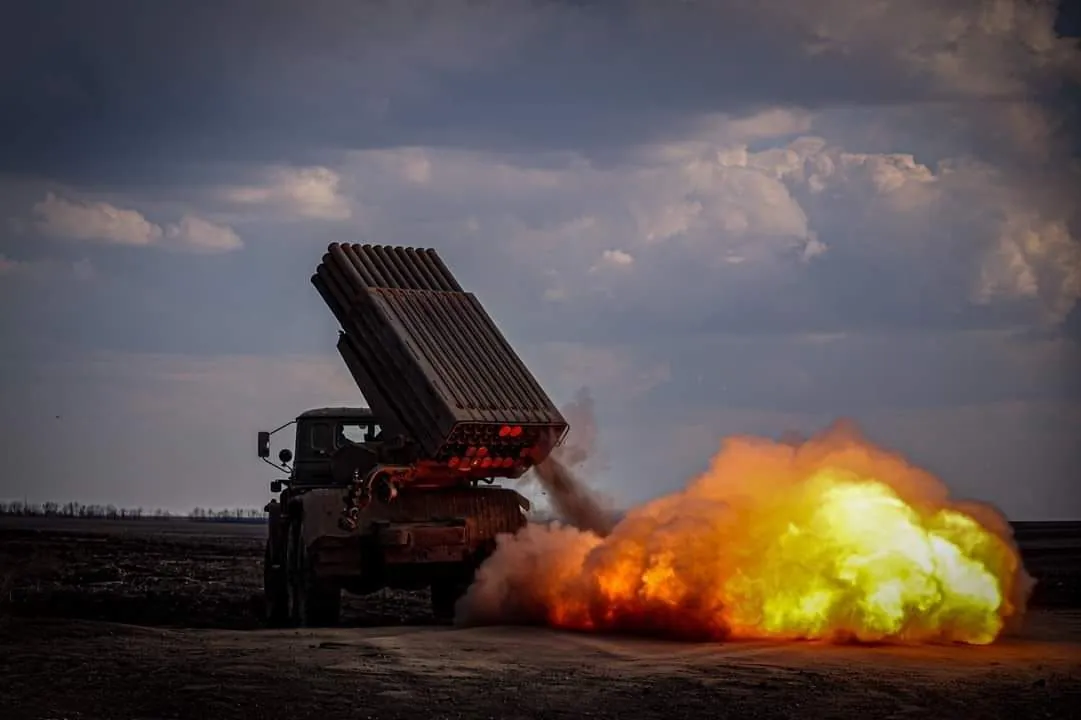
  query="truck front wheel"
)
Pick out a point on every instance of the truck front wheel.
point(313, 601)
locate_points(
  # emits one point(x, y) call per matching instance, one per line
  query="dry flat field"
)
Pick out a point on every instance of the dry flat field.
point(156, 619)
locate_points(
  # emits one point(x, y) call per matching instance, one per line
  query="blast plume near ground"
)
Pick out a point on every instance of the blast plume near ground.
point(831, 538)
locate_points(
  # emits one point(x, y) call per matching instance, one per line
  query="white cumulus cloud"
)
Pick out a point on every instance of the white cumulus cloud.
point(203, 236)
point(754, 215)
point(1032, 258)
point(613, 259)
point(101, 222)
point(94, 221)
point(313, 192)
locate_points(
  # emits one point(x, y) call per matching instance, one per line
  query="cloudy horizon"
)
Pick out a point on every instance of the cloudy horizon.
point(721, 217)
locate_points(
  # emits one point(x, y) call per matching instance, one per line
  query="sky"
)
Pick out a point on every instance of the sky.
point(720, 217)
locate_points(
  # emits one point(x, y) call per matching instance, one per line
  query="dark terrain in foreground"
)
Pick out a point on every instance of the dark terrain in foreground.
point(162, 620)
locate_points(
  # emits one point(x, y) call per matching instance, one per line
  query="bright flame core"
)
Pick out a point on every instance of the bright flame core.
point(834, 540)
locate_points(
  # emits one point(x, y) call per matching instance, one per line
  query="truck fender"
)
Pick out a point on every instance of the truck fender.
point(321, 508)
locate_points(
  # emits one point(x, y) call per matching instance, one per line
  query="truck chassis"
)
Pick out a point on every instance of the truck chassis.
point(435, 538)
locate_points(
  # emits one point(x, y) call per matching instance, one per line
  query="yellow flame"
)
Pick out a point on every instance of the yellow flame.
point(839, 557)
point(835, 540)
point(865, 563)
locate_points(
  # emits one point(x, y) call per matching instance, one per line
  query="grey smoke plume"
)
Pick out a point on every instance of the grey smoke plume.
point(573, 501)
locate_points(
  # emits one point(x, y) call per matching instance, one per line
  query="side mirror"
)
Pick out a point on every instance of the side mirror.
point(264, 444)
point(275, 486)
point(285, 455)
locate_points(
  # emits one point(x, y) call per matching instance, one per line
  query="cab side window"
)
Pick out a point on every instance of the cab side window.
point(322, 439)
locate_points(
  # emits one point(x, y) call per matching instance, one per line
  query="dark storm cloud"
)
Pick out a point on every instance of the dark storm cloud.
point(864, 373)
point(125, 89)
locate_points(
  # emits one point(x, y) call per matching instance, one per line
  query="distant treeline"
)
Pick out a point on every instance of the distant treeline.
point(111, 512)
point(18, 508)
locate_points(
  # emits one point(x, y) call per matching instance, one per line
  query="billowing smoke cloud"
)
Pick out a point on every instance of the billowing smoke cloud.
point(832, 538)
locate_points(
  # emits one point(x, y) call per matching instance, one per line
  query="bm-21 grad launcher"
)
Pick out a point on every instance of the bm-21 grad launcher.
point(451, 407)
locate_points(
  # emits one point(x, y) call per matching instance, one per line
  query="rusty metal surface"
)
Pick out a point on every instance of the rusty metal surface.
point(487, 511)
point(419, 535)
point(425, 554)
point(425, 354)
point(338, 556)
point(322, 507)
point(463, 351)
point(419, 526)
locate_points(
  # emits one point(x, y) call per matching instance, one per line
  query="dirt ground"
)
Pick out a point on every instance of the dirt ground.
point(161, 620)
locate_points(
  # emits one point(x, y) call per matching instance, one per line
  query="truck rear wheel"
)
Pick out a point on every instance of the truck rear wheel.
point(445, 596)
point(494, 512)
point(313, 601)
point(446, 592)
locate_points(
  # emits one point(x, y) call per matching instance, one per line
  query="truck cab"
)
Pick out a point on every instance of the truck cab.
point(321, 433)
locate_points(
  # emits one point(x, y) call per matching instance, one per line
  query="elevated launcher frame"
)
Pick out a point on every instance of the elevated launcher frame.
point(449, 390)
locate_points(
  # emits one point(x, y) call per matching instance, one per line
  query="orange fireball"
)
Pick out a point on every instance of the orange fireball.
point(835, 539)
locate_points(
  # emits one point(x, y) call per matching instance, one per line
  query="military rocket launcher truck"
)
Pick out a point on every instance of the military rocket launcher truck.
point(401, 493)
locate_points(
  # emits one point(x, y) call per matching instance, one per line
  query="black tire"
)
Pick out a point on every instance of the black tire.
point(313, 602)
point(447, 592)
point(445, 596)
point(275, 591)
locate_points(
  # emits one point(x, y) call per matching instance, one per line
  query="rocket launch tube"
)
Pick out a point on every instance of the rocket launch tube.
point(427, 356)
